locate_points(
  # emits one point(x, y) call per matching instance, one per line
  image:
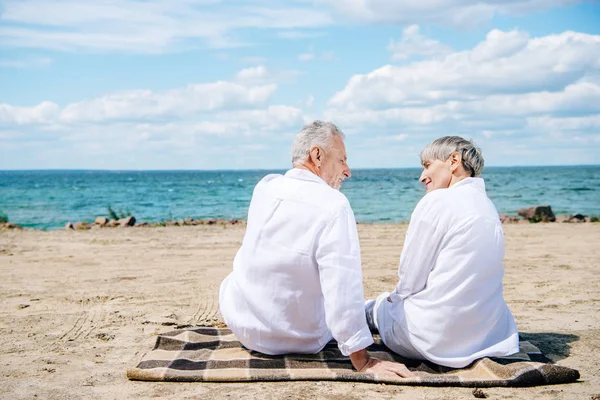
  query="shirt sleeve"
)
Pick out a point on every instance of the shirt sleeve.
point(421, 248)
point(340, 274)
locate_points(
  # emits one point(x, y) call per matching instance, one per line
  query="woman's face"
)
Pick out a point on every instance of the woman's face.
point(436, 174)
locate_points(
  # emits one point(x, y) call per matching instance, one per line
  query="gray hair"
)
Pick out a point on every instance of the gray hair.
point(442, 149)
point(318, 133)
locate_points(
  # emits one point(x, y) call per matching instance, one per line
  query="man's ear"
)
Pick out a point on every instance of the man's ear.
point(315, 155)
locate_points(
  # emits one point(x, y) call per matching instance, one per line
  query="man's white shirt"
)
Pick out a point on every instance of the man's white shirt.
point(297, 278)
point(449, 299)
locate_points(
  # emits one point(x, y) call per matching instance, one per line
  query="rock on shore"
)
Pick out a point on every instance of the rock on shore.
point(538, 214)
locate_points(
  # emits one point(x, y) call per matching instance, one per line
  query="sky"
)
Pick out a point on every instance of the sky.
point(209, 84)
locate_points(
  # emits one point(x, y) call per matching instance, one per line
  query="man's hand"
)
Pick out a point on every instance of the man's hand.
point(362, 362)
point(386, 368)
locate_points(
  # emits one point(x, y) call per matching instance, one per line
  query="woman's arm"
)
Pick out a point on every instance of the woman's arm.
point(421, 246)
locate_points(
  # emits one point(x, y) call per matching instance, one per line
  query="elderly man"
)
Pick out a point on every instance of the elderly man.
point(297, 279)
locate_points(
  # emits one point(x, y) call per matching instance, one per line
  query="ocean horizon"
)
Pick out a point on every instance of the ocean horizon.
point(265, 169)
point(48, 199)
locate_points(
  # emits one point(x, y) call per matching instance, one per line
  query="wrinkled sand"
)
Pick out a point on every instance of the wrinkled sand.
point(78, 308)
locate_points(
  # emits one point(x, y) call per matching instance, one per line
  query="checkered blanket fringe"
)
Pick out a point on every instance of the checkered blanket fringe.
point(215, 355)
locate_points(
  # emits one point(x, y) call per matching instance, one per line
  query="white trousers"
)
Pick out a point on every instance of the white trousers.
point(379, 318)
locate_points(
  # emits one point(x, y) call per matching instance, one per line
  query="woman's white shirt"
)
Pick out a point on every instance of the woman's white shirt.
point(449, 297)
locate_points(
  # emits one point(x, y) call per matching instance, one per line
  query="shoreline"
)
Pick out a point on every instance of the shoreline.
point(121, 223)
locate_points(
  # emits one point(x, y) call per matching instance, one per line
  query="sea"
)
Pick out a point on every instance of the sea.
point(49, 199)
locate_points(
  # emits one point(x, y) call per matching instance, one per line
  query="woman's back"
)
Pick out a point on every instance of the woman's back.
point(456, 312)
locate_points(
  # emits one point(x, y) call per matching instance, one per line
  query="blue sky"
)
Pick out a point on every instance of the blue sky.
point(209, 84)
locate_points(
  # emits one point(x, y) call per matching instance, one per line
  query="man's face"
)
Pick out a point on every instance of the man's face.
point(333, 166)
point(436, 174)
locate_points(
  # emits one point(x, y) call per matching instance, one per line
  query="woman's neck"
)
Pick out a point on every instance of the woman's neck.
point(458, 176)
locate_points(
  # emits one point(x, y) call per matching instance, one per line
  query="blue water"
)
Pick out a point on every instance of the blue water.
point(49, 199)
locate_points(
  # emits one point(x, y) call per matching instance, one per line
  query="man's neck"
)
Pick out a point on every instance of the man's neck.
point(308, 166)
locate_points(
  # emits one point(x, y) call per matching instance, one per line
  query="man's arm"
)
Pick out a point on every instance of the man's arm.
point(340, 274)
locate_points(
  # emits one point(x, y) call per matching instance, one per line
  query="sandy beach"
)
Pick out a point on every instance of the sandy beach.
point(80, 307)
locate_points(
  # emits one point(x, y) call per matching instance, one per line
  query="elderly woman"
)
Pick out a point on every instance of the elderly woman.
point(448, 306)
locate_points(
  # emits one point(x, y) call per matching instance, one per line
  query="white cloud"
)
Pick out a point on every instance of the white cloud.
point(250, 74)
point(8, 135)
point(221, 142)
point(259, 121)
point(163, 26)
point(536, 91)
point(581, 97)
point(502, 64)
point(312, 55)
point(25, 63)
point(182, 123)
point(413, 43)
point(226, 124)
point(185, 102)
point(141, 26)
point(306, 56)
point(44, 112)
point(587, 123)
point(457, 13)
point(262, 75)
point(499, 44)
point(405, 116)
point(217, 104)
point(295, 34)
point(400, 138)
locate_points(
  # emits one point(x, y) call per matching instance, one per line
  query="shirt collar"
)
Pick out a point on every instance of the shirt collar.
point(304, 175)
point(477, 183)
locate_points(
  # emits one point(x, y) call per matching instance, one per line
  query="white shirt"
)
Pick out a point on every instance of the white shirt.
point(449, 298)
point(297, 278)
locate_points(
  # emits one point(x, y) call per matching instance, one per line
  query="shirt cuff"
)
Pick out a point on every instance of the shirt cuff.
point(401, 292)
point(360, 340)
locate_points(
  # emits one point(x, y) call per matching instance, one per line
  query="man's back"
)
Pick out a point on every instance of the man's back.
point(296, 280)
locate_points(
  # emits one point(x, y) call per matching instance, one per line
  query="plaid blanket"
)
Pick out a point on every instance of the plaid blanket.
point(213, 354)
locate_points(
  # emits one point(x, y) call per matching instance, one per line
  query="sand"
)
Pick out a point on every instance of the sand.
point(80, 307)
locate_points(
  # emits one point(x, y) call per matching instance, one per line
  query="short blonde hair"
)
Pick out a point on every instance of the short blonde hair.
point(442, 149)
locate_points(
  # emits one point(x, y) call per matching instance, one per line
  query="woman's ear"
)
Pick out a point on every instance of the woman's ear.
point(455, 160)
